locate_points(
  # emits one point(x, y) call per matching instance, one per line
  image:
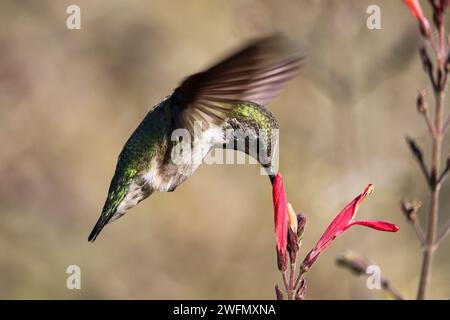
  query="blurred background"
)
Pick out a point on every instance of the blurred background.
point(69, 99)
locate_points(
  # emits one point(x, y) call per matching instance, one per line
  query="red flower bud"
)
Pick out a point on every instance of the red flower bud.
point(416, 10)
point(279, 294)
point(301, 224)
point(281, 220)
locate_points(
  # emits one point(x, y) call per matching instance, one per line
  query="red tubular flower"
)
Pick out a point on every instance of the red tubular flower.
point(343, 221)
point(416, 10)
point(281, 220)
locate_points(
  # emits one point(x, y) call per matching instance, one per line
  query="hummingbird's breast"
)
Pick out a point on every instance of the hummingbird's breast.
point(181, 159)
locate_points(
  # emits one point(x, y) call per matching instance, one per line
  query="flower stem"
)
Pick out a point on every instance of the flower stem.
point(435, 183)
point(291, 291)
point(419, 233)
point(427, 259)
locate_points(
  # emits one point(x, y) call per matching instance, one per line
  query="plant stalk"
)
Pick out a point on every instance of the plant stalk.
point(428, 250)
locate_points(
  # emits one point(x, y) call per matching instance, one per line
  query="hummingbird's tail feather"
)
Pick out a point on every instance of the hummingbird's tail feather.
point(108, 215)
point(97, 228)
point(116, 204)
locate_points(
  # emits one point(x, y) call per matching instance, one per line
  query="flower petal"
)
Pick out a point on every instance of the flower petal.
point(342, 220)
point(377, 225)
point(416, 10)
point(292, 218)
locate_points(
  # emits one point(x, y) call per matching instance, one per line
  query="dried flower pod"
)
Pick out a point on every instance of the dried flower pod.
point(426, 61)
point(282, 260)
point(414, 148)
point(301, 224)
point(438, 18)
point(421, 104)
point(410, 209)
point(444, 5)
point(292, 245)
point(278, 293)
point(439, 8)
point(354, 262)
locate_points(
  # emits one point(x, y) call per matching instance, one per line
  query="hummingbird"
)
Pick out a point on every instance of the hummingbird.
point(231, 95)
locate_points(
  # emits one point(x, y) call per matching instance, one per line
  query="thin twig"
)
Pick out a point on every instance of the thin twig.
point(419, 232)
point(432, 44)
point(299, 278)
point(444, 232)
point(291, 291)
point(444, 174)
point(386, 285)
point(446, 124)
point(429, 124)
point(283, 273)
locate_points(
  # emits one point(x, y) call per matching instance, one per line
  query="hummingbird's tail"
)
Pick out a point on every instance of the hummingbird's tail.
point(116, 200)
point(109, 213)
point(97, 228)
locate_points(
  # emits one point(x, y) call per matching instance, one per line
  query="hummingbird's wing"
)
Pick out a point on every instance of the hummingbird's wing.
point(255, 73)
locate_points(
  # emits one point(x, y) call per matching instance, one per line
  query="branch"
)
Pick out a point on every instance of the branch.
point(433, 180)
point(429, 124)
point(419, 232)
point(444, 232)
point(432, 45)
point(446, 124)
point(278, 293)
point(444, 174)
point(286, 286)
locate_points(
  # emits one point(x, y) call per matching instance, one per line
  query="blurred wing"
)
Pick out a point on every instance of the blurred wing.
point(256, 73)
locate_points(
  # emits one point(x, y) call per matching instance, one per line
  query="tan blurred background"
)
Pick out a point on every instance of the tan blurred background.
point(69, 100)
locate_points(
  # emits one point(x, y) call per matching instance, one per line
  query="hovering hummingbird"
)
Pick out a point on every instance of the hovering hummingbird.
point(230, 95)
